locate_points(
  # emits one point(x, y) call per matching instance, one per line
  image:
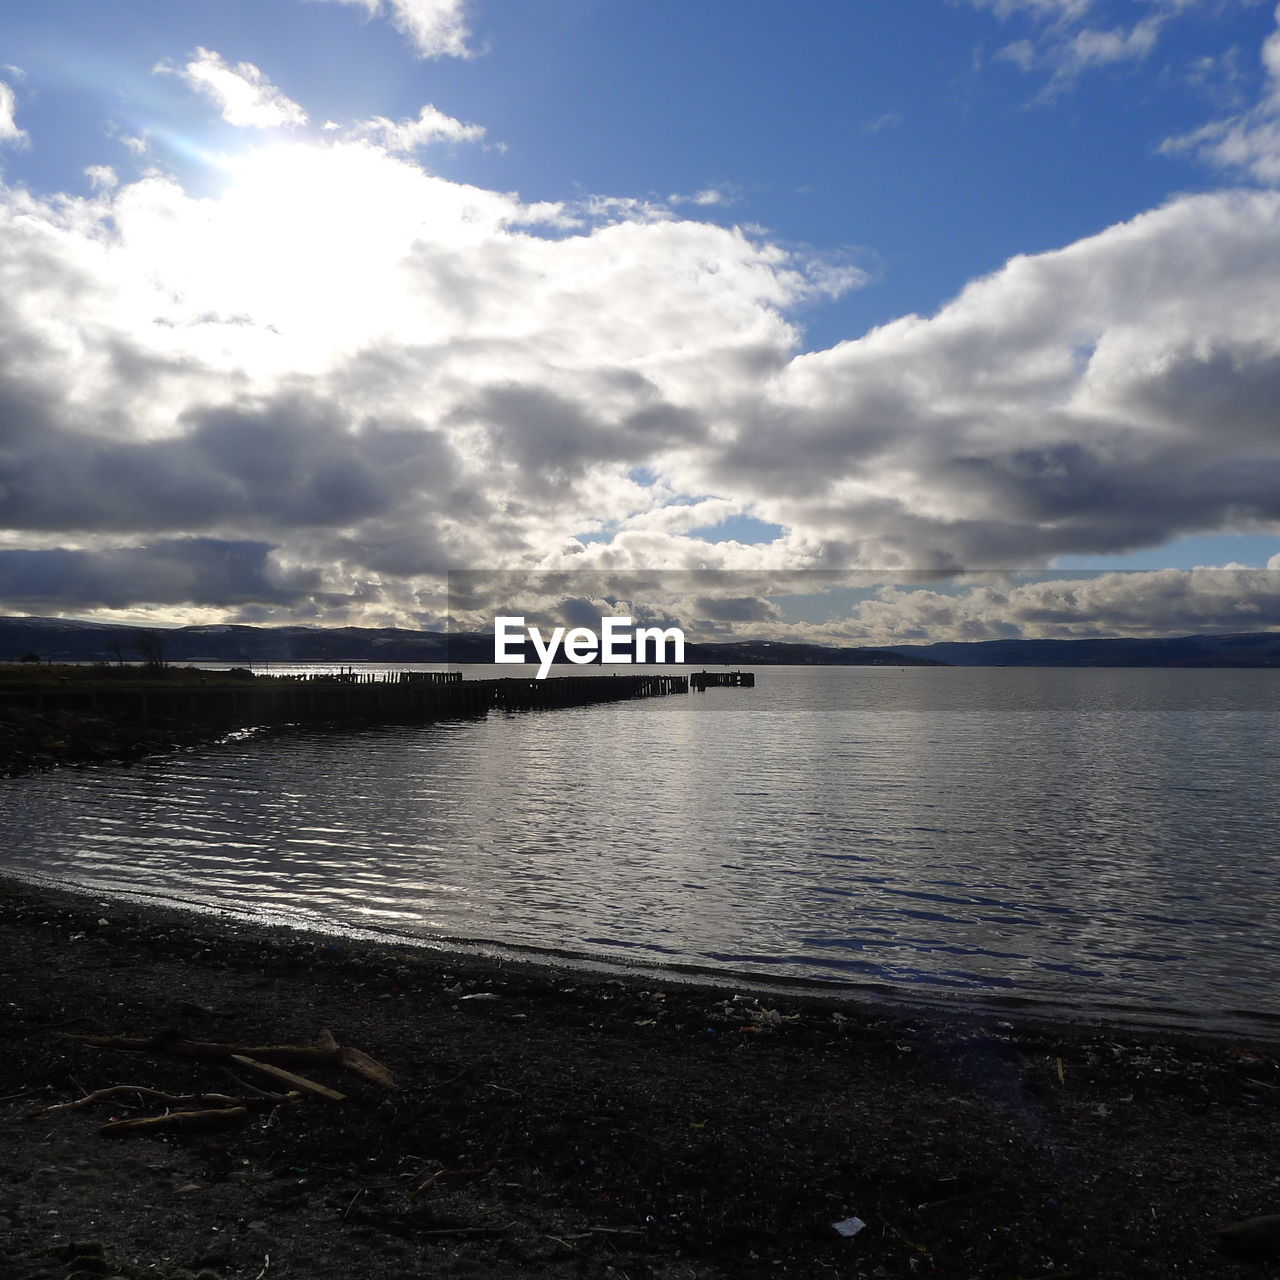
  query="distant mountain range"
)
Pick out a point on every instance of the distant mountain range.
point(58, 639)
point(1255, 649)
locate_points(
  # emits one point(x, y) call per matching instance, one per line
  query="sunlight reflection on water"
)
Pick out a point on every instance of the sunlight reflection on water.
point(1083, 837)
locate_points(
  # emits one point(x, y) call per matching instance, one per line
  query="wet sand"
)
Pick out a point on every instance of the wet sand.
point(552, 1123)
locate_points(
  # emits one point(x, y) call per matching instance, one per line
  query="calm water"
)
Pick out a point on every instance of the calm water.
point(1104, 840)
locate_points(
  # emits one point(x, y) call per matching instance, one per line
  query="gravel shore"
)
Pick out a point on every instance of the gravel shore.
point(551, 1123)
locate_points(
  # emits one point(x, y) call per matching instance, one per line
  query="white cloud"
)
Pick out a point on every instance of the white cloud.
point(436, 28)
point(1248, 141)
point(1097, 47)
point(1067, 38)
point(1022, 53)
point(431, 125)
point(10, 133)
point(706, 198)
point(349, 373)
point(684, 517)
point(1052, 10)
point(370, 370)
point(1074, 12)
point(758, 603)
point(243, 95)
point(102, 177)
point(1165, 602)
point(1100, 398)
point(135, 144)
point(884, 121)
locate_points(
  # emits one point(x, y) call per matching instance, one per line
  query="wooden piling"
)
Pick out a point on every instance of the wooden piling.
point(701, 681)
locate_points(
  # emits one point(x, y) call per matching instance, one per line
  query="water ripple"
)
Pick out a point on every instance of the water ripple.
point(1098, 838)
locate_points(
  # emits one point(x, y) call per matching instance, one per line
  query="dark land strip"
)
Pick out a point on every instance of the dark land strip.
point(87, 715)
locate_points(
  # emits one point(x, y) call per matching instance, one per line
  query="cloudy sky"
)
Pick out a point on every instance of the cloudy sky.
point(307, 302)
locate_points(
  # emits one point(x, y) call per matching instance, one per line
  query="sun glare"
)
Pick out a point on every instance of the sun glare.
point(303, 252)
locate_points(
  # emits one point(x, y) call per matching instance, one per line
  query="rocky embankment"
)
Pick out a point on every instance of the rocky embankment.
point(31, 741)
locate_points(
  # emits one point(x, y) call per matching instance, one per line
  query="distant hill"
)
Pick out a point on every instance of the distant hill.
point(1256, 649)
point(761, 653)
point(59, 640)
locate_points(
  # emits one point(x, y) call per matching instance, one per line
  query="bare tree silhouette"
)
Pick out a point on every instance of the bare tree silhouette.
point(150, 646)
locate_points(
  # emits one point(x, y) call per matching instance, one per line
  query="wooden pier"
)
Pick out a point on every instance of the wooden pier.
point(350, 675)
point(515, 694)
point(701, 681)
point(318, 699)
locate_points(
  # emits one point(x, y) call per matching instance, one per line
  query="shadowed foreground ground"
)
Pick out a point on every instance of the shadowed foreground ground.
point(571, 1126)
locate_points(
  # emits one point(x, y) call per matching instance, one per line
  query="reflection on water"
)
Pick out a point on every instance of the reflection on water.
point(1091, 837)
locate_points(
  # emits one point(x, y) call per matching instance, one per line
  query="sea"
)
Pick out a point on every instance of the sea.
point(1092, 843)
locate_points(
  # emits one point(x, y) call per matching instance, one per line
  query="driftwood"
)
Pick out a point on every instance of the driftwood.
point(253, 1094)
point(175, 1120)
point(362, 1065)
point(289, 1078)
point(326, 1050)
point(155, 1095)
point(256, 1098)
point(197, 1110)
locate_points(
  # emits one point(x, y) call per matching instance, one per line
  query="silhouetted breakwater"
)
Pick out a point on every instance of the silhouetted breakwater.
point(351, 676)
point(566, 691)
point(701, 681)
point(267, 701)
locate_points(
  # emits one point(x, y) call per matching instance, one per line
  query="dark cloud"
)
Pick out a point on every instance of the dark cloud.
point(1231, 391)
point(553, 438)
point(578, 612)
point(292, 462)
point(735, 609)
point(181, 572)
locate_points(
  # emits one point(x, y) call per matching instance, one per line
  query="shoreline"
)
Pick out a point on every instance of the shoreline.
point(1252, 1028)
point(554, 1122)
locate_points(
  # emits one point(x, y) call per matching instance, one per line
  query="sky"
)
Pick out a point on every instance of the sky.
point(307, 303)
